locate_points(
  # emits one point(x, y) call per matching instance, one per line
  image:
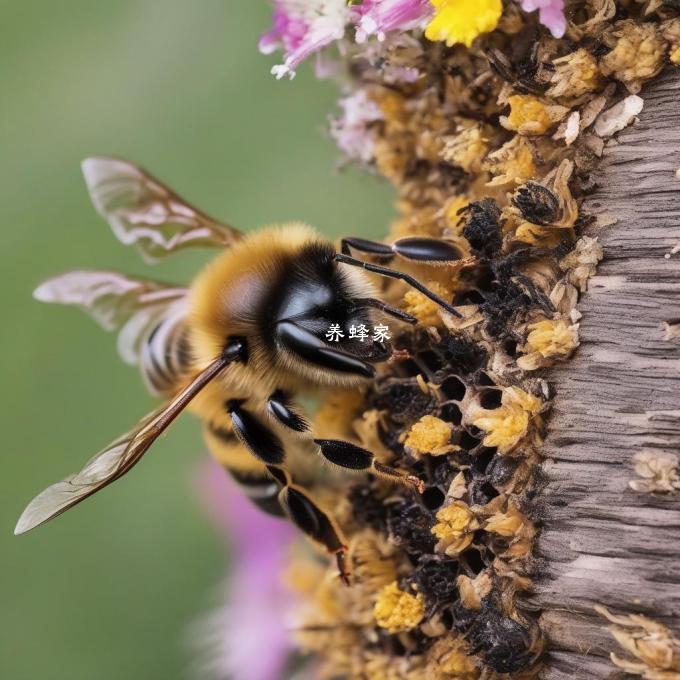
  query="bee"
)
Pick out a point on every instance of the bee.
point(238, 345)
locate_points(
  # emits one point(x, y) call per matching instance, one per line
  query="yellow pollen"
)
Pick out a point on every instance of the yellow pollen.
point(551, 337)
point(424, 309)
point(527, 112)
point(397, 611)
point(430, 435)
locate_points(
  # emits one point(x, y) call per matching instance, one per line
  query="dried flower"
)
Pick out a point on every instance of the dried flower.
point(655, 648)
point(474, 590)
point(543, 237)
point(660, 472)
point(530, 116)
point(372, 559)
point(461, 21)
point(396, 610)
point(507, 424)
point(507, 521)
point(671, 329)
point(576, 74)
point(467, 148)
point(671, 32)
point(431, 436)
point(454, 528)
point(637, 53)
point(581, 262)
point(449, 657)
point(513, 163)
point(548, 340)
point(550, 203)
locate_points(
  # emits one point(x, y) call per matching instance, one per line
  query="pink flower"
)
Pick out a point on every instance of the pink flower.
point(351, 129)
point(550, 14)
point(302, 27)
point(286, 31)
point(247, 637)
point(379, 17)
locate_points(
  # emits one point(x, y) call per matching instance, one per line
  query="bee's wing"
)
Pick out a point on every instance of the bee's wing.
point(113, 461)
point(144, 212)
point(132, 306)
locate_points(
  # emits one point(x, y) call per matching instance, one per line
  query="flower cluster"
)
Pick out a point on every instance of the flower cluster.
point(489, 139)
point(488, 126)
point(304, 27)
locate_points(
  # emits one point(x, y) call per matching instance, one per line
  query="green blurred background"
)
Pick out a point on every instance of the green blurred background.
point(105, 592)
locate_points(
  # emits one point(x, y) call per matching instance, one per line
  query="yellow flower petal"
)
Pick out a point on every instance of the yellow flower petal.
point(453, 519)
point(461, 21)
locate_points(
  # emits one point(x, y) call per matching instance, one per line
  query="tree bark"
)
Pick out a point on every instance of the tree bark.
point(602, 542)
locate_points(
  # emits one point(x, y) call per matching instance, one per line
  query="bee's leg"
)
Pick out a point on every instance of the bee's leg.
point(280, 408)
point(336, 451)
point(249, 473)
point(257, 481)
point(310, 348)
point(395, 274)
point(255, 436)
point(361, 303)
point(311, 519)
point(375, 248)
point(353, 457)
point(414, 248)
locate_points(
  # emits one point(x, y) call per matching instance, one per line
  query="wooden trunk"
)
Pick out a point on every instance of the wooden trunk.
point(602, 542)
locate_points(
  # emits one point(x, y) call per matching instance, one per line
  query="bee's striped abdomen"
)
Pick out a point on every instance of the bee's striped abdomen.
point(261, 490)
point(248, 472)
point(164, 357)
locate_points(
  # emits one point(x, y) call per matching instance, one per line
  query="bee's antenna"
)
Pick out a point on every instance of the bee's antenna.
point(395, 274)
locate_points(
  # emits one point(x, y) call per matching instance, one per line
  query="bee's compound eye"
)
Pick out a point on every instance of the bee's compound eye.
point(307, 346)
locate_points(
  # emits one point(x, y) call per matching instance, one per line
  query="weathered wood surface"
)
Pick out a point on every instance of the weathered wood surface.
point(602, 542)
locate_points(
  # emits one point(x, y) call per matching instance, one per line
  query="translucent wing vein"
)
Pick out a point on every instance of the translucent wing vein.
point(113, 461)
point(145, 213)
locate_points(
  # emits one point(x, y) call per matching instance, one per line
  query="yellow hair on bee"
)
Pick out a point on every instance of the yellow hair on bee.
point(224, 294)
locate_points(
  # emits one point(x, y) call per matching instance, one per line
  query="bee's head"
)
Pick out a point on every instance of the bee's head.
point(283, 291)
point(317, 314)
